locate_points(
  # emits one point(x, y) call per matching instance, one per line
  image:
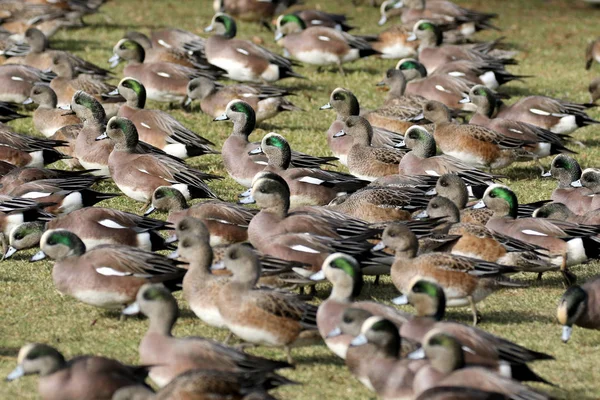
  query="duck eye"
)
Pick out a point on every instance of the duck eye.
point(434, 206)
point(492, 194)
point(233, 255)
point(51, 241)
point(444, 183)
point(185, 244)
point(18, 236)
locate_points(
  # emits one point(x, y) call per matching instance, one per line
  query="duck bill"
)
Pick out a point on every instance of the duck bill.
point(379, 246)
point(318, 276)
point(114, 60)
point(246, 193)
point(209, 28)
point(218, 266)
point(247, 200)
point(418, 354)
point(411, 38)
point(479, 205)
point(9, 252)
point(576, 183)
point(431, 192)
point(421, 215)
point(149, 211)
point(102, 137)
point(382, 20)
point(29, 100)
point(382, 83)
point(339, 134)
point(113, 92)
point(400, 300)
point(401, 145)
point(547, 174)
point(278, 36)
point(132, 309)
point(360, 340)
point(188, 100)
point(174, 255)
point(465, 100)
point(16, 373)
point(40, 255)
point(566, 333)
point(256, 151)
point(334, 333)
point(171, 239)
point(326, 107)
point(418, 117)
point(222, 117)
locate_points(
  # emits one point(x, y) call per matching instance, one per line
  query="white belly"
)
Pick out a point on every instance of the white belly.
point(102, 299)
point(254, 335)
point(317, 57)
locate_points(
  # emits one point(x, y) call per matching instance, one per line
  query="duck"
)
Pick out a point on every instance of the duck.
point(73, 379)
point(242, 166)
point(319, 45)
point(365, 161)
point(107, 276)
point(200, 383)
point(200, 287)
point(475, 145)
point(558, 116)
point(570, 190)
point(566, 243)
point(465, 280)
point(14, 176)
point(484, 349)
point(422, 158)
point(345, 103)
point(267, 101)
point(263, 317)
point(28, 151)
point(432, 54)
point(243, 60)
point(444, 88)
point(172, 356)
point(561, 212)
point(251, 10)
point(307, 186)
point(577, 307)
point(95, 226)
point(491, 75)
point(447, 368)
point(14, 212)
point(546, 142)
point(47, 118)
point(157, 127)
point(346, 277)
point(153, 170)
point(396, 82)
point(68, 81)
point(17, 81)
point(392, 43)
point(314, 17)
point(164, 82)
point(40, 56)
point(592, 53)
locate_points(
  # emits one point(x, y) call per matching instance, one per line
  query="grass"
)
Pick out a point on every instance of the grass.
point(551, 36)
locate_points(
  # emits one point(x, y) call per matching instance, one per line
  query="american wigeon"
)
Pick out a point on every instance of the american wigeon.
point(47, 118)
point(484, 349)
point(17, 81)
point(166, 54)
point(478, 72)
point(346, 278)
point(28, 151)
point(40, 55)
point(94, 226)
point(308, 186)
point(68, 81)
point(163, 81)
point(579, 306)
point(592, 53)
point(243, 60)
point(365, 161)
point(241, 165)
point(263, 317)
point(447, 368)
point(566, 243)
point(14, 212)
point(313, 17)
point(547, 142)
point(422, 158)
point(171, 356)
point(393, 44)
point(558, 116)
point(76, 378)
point(466, 281)
point(345, 103)
point(571, 191)
point(14, 177)
point(319, 45)
point(157, 127)
point(174, 37)
point(432, 54)
point(267, 101)
point(562, 212)
point(138, 174)
point(107, 276)
point(444, 88)
point(205, 384)
point(396, 82)
point(475, 145)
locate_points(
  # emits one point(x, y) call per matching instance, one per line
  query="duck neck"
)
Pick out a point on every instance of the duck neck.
point(163, 323)
point(201, 260)
point(244, 127)
point(350, 108)
point(451, 362)
point(425, 148)
point(280, 159)
point(397, 87)
point(342, 291)
point(51, 365)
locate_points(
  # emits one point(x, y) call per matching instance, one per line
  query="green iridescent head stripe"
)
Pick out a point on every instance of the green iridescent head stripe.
point(509, 196)
point(419, 133)
point(129, 44)
point(60, 237)
point(353, 270)
point(433, 291)
point(246, 109)
point(88, 101)
point(26, 229)
point(292, 18)
point(156, 293)
point(413, 64)
point(429, 26)
point(442, 339)
point(277, 141)
point(138, 88)
point(166, 191)
point(383, 325)
point(229, 24)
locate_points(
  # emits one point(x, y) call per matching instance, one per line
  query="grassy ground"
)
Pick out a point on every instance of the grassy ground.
point(551, 36)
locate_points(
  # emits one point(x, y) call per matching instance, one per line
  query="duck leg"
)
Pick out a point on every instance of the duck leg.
point(228, 338)
point(145, 206)
point(288, 353)
point(340, 68)
point(476, 315)
point(569, 278)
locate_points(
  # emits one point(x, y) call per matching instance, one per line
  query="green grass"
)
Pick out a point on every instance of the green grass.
point(551, 36)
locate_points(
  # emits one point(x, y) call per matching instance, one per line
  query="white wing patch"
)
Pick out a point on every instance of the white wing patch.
point(324, 38)
point(442, 89)
point(431, 172)
point(35, 195)
point(163, 74)
point(16, 78)
point(164, 44)
point(109, 223)
point(456, 73)
point(242, 51)
point(304, 249)
point(311, 180)
point(144, 171)
point(145, 125)
point(538, 111)
point(515, 130)
point(108, 271)
point(532, 232)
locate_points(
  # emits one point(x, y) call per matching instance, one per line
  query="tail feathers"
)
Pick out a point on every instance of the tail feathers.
point(288, 106)
point(522, 373)
point(368, 52)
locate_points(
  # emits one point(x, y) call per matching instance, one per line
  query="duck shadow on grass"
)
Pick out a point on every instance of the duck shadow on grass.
point(329, 359)
point(75, 45)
